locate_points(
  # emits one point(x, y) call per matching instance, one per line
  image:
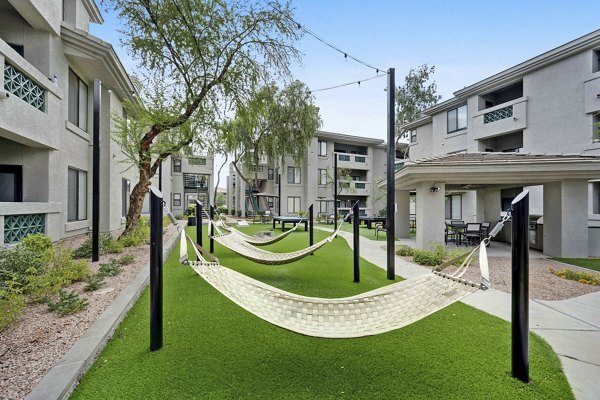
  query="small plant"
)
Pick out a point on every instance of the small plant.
point(67, 303)
point(582, 277)
point(106, 243)
point(405, 251)
point(12, 302)
point(126, 259)
point(137, 236)
point(111, 268)
point(430, 258)
point(94, 282)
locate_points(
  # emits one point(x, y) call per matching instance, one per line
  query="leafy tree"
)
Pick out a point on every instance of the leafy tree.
point(273, 124)
point(415, 96)
point(195, 57)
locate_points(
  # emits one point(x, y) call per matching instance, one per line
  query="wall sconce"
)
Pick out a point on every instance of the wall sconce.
point(434, 188)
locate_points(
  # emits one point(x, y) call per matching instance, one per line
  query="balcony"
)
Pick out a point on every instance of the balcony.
point(21, 219)
point(354, 188)
point(31, 114)
point(353, 161)
point(503, 118)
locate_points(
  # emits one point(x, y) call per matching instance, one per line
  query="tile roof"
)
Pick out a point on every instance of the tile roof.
point(501, 158)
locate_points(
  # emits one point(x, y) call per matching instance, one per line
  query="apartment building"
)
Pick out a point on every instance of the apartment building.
point(50, 62)
point(532, 126)
point(361, 163)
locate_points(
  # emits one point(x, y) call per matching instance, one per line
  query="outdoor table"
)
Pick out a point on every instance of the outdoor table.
point(293, 220)
point(369, 221)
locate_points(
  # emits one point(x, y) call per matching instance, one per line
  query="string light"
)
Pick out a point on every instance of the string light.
point(349, 83)
point(320, 39)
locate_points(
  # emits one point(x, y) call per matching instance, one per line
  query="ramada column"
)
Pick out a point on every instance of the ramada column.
point(402, 213)
point(430, 214)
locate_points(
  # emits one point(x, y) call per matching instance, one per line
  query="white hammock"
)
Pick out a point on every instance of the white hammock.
point(377, 311)
point(237, 244)
point(262, 241)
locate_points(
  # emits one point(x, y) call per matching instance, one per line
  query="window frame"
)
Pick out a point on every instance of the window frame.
point(17, 172)
point(449, 198)
point(321, 144)
point(79, 204)
point(412, 134)
point(176, 200)
point(456, 113)
point(322, 176)
point(295, 175)
point(176, 164)
point(77, 107)
point(296, 201)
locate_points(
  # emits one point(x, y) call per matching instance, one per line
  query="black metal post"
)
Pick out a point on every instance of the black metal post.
point(198, 223)
point(160, 177)
point(310, 221)
point(391, 159)
point(279, 199)
point(96, 173)
point(520, 287)
point(335, 184)
point(156, 266)
point(355, 227)
point(212, 231)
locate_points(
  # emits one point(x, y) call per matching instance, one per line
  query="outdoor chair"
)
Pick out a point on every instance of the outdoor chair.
point(331, 219)
point(472, 233)
point(379, 228)
point(485, 229)
point(450, 233)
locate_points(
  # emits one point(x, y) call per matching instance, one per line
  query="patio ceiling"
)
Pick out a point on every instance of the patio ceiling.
point(469, 171)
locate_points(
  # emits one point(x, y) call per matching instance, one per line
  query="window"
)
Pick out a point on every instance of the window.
point(322, 176)
point(270, 202)
point(11, 183)
point(277, 178)
point(176, 199)
point(177, 165)
point(596, 128)
point(293, 205)
point(78, 101)
point(457, 119)
point(270, 174)
point(125, 192)
point(76, 195)
point(293, 174)
point(322, 148)
point(454, 207)
point(596, 197)
point(413, 135)
point(596, 61)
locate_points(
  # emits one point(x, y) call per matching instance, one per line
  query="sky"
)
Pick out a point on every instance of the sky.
point(466, 41)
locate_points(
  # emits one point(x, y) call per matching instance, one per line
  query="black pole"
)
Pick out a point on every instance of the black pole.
point(96, 174)
point(198, 223)
point(310, 221)
point(212, 231)
point(160, 177)
point(335, 183)
point(279, 200)
point(355, 227)
point(156, 266)
point(520, 287)
point(391, 158)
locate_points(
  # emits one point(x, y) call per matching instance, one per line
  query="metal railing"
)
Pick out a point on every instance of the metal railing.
point(360, 159)
point(343, 157)
point(497, 115)
point(19, 84)
point(16, 227)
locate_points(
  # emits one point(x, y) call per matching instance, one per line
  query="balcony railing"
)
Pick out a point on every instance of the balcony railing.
point(23, 87)
point(360, 159)
point(343, 157)
point(197, 160)
point(16, 227)
point(360, 185)
point(497, 115)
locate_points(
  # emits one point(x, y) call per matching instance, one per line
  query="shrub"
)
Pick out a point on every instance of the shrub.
point(137, 236)
point(111, 268)
point(582, 277)
point(107, 244)
point(405, 251)
point(114, 247)
point(430, 258)
point(30, 257)
point(67, 303)
point(94, 282)
point(12, 302)
point(126, 259)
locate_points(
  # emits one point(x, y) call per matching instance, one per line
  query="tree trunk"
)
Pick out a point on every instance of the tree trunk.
point(136, 201)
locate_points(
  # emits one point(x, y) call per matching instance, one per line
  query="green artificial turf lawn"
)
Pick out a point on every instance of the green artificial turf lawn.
point(213, 349)
point(363, 231)
point(591, 263)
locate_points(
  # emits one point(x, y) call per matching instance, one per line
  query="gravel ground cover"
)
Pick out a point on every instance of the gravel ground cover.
point(32, 346)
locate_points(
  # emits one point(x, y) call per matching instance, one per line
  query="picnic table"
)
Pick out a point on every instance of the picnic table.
point(289, 219)
point(369, 221)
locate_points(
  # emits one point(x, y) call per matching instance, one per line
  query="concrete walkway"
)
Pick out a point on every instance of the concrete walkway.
point(571, 327)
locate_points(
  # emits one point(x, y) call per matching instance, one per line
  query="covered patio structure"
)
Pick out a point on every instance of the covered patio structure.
point(566, 199)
